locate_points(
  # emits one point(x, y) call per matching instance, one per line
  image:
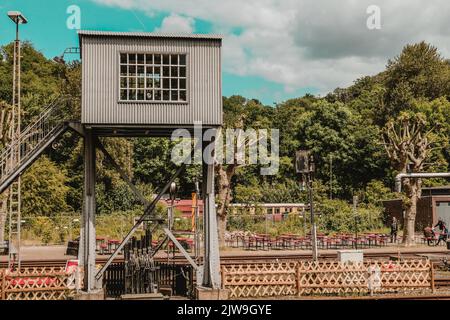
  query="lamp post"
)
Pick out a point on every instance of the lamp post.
point(331, 176)
point(355, 212)
point(172, 193)
point(197, 221)
point(18, 19)
point(304, 164)
point(15, 194)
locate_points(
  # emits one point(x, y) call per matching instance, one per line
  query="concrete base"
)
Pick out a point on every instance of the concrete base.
point(143, 296)
point(203, 293)
point(93, 295)
point(354, 256)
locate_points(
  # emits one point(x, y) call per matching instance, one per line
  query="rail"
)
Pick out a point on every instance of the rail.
point(31, 141)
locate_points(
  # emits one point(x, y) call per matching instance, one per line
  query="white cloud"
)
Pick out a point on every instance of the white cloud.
point(177, 23)
point(307, 43)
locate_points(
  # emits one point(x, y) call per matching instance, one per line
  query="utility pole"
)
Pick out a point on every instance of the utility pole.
point(172, 193)
point(304, 164)
point(355, 203)
point(315, 252)
point(331, 176)
point(14, 208)
point(196, 222)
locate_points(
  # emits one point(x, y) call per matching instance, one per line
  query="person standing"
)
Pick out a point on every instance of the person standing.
point(394, 230)
point(443, 231)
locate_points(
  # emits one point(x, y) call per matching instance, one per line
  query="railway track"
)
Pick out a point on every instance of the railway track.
point(442, 282)
point(437, 296)
point(230, 259)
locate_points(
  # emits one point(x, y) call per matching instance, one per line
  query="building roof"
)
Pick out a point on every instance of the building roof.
point(436, 188)
point(96, 33)
point(155, 35)
point(268, 205)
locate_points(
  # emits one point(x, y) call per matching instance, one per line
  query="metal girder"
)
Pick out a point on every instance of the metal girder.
point(78, 128)
point(159, 246)
point(122, 173)
point(149, 209)
point(29, 161)
point(180, 247)
point(211, 263)
point(87, 252)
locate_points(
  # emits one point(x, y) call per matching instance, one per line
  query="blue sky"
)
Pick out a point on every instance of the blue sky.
point(48, 32)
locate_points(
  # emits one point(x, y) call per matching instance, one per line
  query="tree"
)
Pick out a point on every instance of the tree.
point(410, 140)
point(418, 72)
point(45, 189)
point(334, 129)
point(376, 192)
point(239, 113)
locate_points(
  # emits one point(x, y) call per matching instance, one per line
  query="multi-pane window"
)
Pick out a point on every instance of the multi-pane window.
point(152, 77)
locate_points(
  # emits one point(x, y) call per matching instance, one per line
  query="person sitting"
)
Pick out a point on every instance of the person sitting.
point(428, 233)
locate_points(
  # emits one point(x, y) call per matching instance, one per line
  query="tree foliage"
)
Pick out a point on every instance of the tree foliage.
point(45, 189)
point(407, 104)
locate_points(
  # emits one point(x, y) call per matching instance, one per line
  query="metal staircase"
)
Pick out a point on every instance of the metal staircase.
point(32, 141)
point(14, 225)
point(23, 150)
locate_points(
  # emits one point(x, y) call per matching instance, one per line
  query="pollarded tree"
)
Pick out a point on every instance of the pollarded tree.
point(410, 141)
point(243, 114)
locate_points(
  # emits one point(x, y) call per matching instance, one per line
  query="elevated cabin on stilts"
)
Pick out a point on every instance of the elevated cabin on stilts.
point(137, 84)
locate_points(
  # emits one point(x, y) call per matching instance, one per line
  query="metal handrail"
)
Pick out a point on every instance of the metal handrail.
point(31, 138)
point(26, 131)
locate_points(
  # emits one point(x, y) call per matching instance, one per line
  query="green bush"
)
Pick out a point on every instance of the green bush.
point(293, 223)
point(339, 216)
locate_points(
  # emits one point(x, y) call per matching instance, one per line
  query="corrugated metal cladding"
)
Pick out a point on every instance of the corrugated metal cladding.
point(100, 80)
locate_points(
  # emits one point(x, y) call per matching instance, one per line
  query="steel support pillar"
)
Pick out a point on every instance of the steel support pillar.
point(211, 263)
point(87, 239)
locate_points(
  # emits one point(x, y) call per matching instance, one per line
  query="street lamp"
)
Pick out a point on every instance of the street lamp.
point(304, 164)
point(355, 212)
point(15, 213)
point(18, 18)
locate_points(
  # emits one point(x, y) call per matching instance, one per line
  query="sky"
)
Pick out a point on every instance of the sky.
point(272, 50)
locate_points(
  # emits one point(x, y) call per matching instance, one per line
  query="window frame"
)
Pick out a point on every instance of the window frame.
point(118, 77)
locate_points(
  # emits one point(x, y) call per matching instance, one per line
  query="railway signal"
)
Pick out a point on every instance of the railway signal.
point(304, 165)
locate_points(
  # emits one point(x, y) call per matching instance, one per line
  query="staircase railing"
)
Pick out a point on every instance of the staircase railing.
point(31, 138)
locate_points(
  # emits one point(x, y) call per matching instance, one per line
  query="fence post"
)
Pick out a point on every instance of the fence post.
point(297, 274)
point(222, 277)
point(3, 276)
point(432, 278)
